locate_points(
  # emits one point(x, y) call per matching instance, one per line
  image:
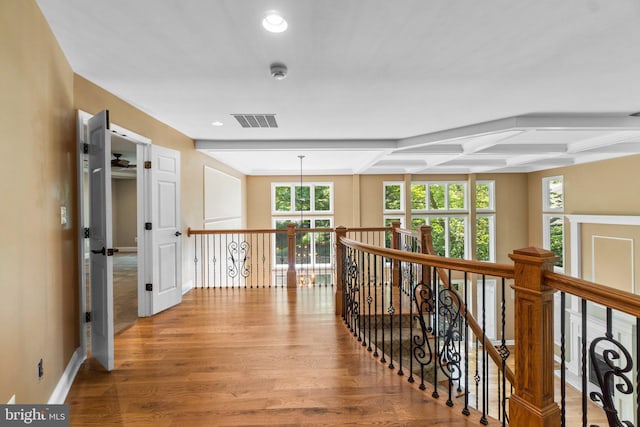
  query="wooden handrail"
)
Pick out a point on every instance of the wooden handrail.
point(191, 231)
point(625, 302)
point(478, 267)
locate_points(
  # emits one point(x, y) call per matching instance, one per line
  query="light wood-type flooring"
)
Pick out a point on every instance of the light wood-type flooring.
point(250, 357)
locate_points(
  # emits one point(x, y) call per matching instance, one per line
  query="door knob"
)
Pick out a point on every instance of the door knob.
point(178, 234)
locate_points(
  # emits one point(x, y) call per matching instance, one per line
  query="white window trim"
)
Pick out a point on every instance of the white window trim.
point(385, 184)
point(546, 194)
point(492, 198)
point(293, 210)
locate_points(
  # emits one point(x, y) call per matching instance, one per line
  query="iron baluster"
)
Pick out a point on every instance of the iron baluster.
point(369, 298)
point(382, 326)
point(391, 310)
point(448, 317)
point(422, 352)
point(504, 355)
point(400, 298)
point(411, 284)
point(485, 397)
point(436, 330)
point(612, 370)
point(465, 410)
point(375, 305)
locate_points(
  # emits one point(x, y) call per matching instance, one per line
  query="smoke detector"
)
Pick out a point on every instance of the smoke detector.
point(278, 71)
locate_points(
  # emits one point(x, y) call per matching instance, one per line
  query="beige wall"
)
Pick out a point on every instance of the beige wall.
point(92, 99)
point(38, 274)
point(124, 208)
point(259, 198)
point(608, 187)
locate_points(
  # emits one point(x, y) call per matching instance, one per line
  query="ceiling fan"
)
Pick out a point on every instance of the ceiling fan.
point(120, 163)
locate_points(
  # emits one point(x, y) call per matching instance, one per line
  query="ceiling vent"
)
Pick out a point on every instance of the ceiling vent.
point(256, 120)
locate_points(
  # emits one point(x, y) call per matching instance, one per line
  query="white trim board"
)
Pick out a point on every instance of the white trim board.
point(576, 222)
point(66, 380)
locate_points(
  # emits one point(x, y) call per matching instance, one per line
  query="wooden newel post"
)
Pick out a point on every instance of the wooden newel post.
point(340, 233)
point(532, 403)
point(291, 251)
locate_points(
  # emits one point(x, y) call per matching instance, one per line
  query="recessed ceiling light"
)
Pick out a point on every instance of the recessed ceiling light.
point(274, 22)
point(217, 123)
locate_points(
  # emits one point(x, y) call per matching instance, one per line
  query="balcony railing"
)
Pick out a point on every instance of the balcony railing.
point(480, 335)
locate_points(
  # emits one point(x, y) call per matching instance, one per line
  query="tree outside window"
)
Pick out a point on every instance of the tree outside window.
point(553, 217)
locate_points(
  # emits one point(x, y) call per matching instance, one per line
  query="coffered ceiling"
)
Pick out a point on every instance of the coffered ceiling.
point(403, 86)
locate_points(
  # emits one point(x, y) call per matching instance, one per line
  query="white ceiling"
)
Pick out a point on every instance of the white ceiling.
point(374, 86)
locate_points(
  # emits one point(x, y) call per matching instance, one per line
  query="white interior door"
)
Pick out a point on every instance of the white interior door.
point(165, 247)
point(100, 239)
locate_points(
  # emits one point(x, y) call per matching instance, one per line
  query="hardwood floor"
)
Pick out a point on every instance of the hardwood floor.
point(229, 357)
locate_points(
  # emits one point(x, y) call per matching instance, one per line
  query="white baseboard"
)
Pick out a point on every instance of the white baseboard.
point(186, 287)
point(64, 384)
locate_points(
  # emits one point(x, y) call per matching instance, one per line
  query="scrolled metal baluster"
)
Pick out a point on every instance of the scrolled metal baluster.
point(449, 357)
point(369, 299)
point(375, 305)
point(465, 410)
point(422, 352)
point(411, 317)
point(606, 375)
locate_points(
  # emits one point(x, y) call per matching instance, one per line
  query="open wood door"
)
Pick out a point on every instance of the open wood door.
point(164, 247)
point(100, 239)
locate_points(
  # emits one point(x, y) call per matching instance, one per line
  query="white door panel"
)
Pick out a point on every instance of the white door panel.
point(100, 239)
point(165, 241)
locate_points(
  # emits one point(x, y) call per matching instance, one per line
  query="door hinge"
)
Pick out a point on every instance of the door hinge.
point(87, 317)
point(148, 287)
point(85, 148)
point(147, 226)
point(147, 164)
point(86, 232)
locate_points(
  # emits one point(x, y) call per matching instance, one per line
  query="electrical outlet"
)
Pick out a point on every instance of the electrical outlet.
point(40, 369)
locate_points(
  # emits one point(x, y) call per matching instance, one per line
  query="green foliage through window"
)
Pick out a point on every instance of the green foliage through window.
point(283, 199)
point(392, 197)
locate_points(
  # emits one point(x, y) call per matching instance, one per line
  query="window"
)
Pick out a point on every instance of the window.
point(438, 196)
point(394, 197)
point(553, 217)
point(443, 206)
point(313, 204)
point(485, 221)
point(313, 249)
point(314, 198)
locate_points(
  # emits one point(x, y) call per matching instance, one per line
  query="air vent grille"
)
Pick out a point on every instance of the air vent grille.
point(256, 120)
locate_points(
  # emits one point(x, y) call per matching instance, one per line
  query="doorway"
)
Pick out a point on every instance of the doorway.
point(130, 234)
point(125, 234)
